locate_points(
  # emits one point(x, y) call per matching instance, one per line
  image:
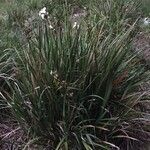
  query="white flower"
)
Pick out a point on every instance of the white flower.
point(76, 15)
point(75, 25)
point(43, 10)
point(50, 26)
point(43, 16)
point(146, 21)
point(51, 72)
point(84, 8)
point(43, 13)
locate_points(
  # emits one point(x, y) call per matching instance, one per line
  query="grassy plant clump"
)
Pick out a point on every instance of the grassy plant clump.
point(78, 88)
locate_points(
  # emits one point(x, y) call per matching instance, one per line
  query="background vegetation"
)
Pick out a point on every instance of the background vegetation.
point(74, 88)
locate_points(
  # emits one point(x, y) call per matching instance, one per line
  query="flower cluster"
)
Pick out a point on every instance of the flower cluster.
point(75, 25)
point(75, 18)
point(43, 13)
point(146, 21)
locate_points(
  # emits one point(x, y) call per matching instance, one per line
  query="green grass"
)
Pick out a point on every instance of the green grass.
point(145, 6)
point(75, 88)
